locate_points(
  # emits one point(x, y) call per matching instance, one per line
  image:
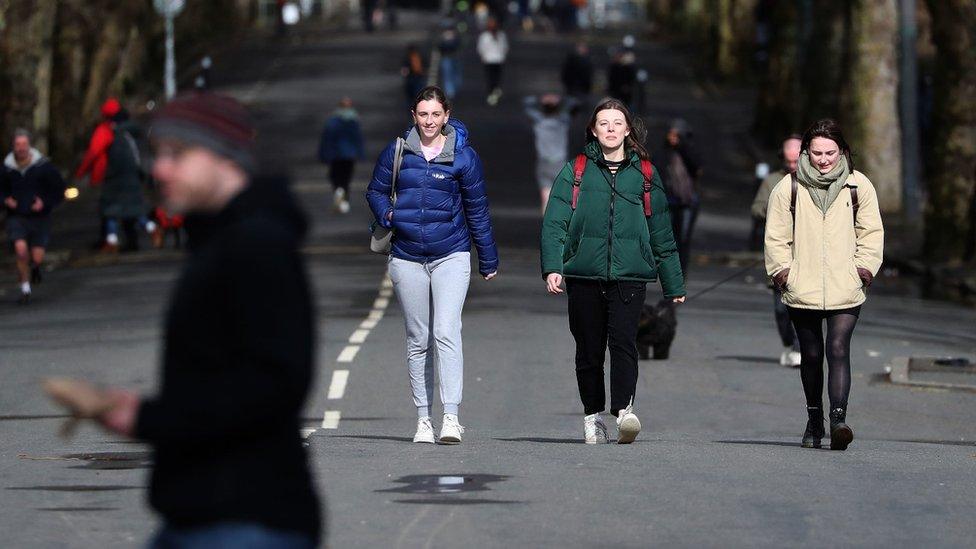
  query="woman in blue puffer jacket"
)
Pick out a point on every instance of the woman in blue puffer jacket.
point(440, 209)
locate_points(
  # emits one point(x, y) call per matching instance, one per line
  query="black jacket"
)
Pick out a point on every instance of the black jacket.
point(577, 74)
point(237, 366)
point(39, 180)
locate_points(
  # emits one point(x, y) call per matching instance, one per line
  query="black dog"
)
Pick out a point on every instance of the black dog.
point(656, 329)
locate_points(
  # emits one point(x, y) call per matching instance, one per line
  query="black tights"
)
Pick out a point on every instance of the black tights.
point(809, 331)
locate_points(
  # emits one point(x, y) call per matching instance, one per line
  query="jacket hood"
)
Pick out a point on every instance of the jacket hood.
point(111, 107)
point(269, 196)
point(456, 132)
point(36, 159)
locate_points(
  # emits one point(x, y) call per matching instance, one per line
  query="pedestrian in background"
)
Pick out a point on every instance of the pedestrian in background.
point(789, 154)
point(682, 171)
point(94, 164)
point(577, 72)
point(229, 466)
point(449, 46)
point(493, 50)
point(550, 116)
point(622, 72)
point(413, 72)
point(440, 207)
point(824, 245)
point(30, 188)
point(340, 146)
point(122, 204)
point(607, 233)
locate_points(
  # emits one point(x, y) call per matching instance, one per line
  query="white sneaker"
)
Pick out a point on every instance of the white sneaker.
point(627, 426)
point(594, 430)
point(150, 227)
point(451, 430)
point(338, 197)
point(795, 359)
point(344, 207)
point(425, 431)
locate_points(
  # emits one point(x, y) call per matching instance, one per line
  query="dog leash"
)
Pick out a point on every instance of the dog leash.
point(734, 275)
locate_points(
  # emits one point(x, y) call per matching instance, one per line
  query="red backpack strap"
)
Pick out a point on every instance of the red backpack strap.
point(579, 166)
point(648, 170)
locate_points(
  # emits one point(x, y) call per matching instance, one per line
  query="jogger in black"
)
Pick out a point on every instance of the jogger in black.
point(602, 313)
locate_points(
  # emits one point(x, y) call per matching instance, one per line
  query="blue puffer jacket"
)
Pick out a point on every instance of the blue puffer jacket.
point(441, 205)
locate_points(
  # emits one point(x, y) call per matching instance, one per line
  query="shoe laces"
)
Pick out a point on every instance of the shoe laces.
point(451, 419)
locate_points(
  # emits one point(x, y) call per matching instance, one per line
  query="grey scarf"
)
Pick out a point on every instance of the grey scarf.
point(823, 187)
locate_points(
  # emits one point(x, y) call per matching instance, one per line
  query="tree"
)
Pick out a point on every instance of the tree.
point(952, 178)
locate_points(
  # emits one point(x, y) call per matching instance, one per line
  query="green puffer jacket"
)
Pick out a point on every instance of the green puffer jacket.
point(608, 237)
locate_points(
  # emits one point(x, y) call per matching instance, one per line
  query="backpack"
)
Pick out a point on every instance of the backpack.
point(647, 169)
point(794, 184)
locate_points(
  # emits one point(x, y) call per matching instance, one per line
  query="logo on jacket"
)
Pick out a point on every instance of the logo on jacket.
point(438, 175)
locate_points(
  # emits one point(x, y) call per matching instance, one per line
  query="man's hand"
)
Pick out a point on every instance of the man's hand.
point(553, 283)
point(38, 204)
point(10, 203)
point(121, 417)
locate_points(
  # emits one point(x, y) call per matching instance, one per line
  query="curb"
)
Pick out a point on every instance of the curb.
point(899, 367)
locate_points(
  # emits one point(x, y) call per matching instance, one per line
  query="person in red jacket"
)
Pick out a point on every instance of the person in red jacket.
point(95, 162)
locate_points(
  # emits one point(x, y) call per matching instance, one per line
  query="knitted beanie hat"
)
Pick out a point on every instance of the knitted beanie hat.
point(215, 122)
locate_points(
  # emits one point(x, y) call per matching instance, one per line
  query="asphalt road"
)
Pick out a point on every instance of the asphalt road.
point(718, 462)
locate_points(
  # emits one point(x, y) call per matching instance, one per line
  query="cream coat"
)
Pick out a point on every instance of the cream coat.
point(828, 249)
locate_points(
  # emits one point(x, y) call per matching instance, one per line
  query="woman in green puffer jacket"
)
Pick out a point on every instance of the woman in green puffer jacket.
point(608, 249)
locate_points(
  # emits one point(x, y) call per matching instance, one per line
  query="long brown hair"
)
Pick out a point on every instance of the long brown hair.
point(828, 128)
point(638, 131)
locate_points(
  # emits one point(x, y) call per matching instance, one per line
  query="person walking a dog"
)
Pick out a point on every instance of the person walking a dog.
point(607, 233)
point(824, 245)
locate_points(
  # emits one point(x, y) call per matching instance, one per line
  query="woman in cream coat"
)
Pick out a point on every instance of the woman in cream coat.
point(824, 245)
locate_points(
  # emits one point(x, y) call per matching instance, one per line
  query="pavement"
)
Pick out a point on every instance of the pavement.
point(717, 465)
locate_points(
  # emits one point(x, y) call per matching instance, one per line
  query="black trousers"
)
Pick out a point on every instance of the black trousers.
point(340, 172)
point(493, 76)
point(602, 313)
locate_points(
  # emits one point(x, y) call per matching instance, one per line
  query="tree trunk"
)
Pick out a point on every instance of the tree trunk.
point(874, 123)
point(25, 39)
point(44, 28)
point(952, 182)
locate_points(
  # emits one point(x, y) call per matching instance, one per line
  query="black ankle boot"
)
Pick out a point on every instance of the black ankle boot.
point(815, 428)
point(841, 434)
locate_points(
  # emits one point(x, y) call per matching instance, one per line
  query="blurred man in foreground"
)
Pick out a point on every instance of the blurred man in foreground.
point(230, 469)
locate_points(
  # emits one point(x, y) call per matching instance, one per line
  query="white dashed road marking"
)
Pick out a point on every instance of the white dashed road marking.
point(331, 419)
point(338, 385)
point(348, 354)
point(359, 336)
point(340, 378)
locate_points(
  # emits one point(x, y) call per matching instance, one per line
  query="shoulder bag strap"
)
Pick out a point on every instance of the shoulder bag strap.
point(793, 189)
point(397, 160)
